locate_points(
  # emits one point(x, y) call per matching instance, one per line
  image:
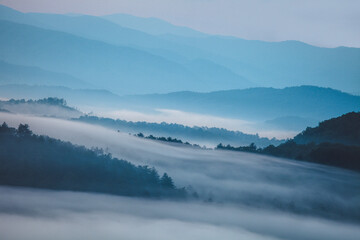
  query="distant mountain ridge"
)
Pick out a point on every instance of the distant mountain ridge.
point(257, 103)
point(18, 74)
point(169, 62)
point(153, 26)
point(304, 104)
point(93, 97)
point(122, 69)
point(291, 123)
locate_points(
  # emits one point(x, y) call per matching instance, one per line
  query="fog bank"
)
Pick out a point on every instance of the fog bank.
point(196, 119)
point(39, 214)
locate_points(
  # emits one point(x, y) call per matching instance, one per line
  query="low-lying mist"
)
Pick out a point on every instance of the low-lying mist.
point(38, 214)
point(236, 191)
point(197, 119)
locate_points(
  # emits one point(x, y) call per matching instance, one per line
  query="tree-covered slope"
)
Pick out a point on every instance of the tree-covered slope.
point(50, 107)
point(333, 154)
point(334, 142)
point(41, 162)
point(344, 129)
point(200, 135)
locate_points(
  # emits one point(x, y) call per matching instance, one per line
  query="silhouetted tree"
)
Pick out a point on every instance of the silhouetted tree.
point(167, 181)
point(23, 130)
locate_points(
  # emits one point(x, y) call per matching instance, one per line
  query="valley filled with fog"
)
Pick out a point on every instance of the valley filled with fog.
point(69, 215)
point(238, 192)
point(117, 124)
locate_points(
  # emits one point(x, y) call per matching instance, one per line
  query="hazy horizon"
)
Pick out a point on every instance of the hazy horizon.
point(321, 23)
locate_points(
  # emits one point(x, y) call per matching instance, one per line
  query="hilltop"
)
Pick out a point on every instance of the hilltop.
point(344, 129)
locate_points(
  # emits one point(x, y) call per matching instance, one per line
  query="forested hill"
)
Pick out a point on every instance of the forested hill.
point(193, 134)
point(344, 129)
point(51, 106)
point(36, 161)
point(334, 142)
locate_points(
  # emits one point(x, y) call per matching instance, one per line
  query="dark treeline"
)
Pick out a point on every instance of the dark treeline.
point(334, 154)
point(36, 161)
point(169, 140)
point(251, 148)
point(48, 101)
point(201, 134)
point(334, 142)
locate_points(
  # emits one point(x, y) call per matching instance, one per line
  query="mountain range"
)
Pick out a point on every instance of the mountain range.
point(308, 102)
point(293, 108)
point(18, 74)
point(118, 53)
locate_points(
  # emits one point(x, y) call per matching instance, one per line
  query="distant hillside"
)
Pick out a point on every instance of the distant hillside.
point(30, 160)
point(17, 74)
point(290, 123)
point(51, 107)
point(153, 26)
point(76, 97)
point(344, 129)
point(289, 108)
point(200, 135)
point(306, 102)
point(281, 64)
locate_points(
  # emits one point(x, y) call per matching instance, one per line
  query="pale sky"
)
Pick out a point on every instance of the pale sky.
point(327, 23)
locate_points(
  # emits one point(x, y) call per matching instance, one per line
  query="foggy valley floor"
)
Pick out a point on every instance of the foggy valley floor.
point(37, 214)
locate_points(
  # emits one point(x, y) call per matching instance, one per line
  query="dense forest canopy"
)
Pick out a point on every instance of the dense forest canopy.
point(36, 161)
point(49, 100)
point(344, 129)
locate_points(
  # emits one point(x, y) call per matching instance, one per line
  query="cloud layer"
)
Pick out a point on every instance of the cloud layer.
point(200, 120)
point(36, 214)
